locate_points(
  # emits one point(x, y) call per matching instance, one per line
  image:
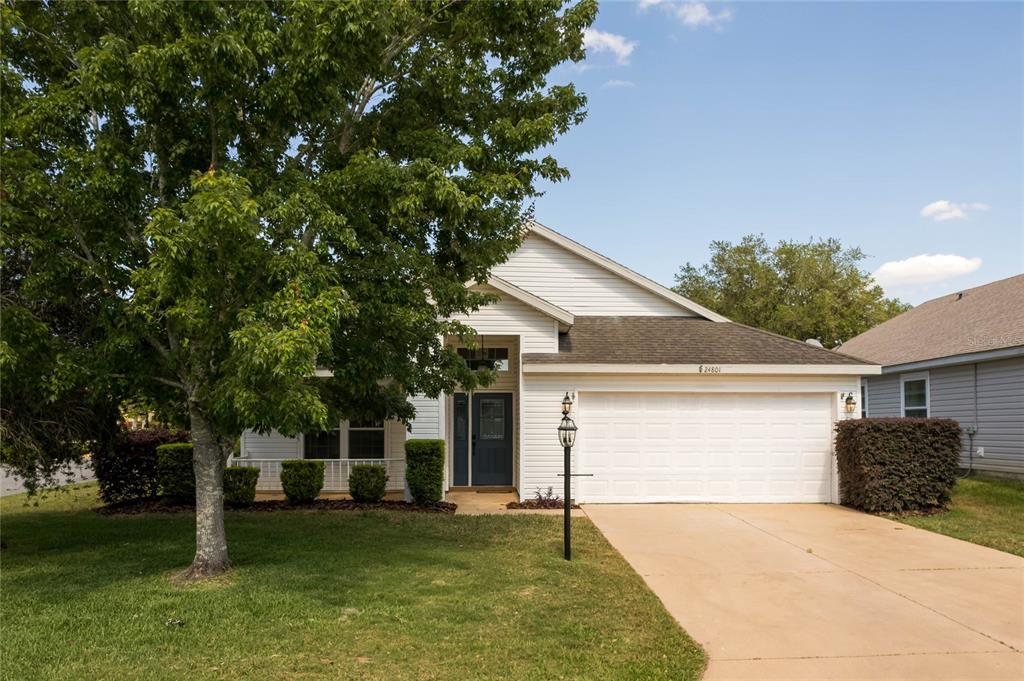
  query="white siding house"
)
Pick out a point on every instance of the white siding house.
point(673, 402)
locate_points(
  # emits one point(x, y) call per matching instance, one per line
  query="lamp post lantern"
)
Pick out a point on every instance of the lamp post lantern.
point(567, 437)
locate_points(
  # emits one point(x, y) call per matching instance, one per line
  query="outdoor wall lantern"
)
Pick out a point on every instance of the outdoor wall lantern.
point(567, 429)
point(567, 436)
point(850, 401)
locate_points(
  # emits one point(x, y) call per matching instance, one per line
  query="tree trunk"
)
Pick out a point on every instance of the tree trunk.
point(211, 541)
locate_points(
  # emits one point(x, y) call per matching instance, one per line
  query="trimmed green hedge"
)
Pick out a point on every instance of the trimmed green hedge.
point(174, 471)
point(424, 470)
point(128, 469)
point(367, 483)
point(240, 485)
point(894, 465)
point(302, 480)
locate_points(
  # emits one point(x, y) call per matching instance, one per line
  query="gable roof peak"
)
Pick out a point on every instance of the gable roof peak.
point(534, 227)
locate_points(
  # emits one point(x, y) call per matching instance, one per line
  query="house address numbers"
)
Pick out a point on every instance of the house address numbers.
point(709, 369)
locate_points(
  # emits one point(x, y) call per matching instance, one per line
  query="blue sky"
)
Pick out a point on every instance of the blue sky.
point(896, 127)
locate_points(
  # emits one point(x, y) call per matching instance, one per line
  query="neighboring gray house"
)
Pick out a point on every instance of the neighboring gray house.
point(960, 356)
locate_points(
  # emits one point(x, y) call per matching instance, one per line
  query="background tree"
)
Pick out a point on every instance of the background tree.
point(801, 290)
point(234, 194)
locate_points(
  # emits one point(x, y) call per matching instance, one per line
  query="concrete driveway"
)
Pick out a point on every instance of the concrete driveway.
point(823, 592)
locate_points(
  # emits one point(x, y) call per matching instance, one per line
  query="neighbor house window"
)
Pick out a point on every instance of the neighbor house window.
point(366, 440)
point(323, 445)
point(915, 394)
point(485, 358)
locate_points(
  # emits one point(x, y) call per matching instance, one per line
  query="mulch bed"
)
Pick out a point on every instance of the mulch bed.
point(538, 504)
point(269, 505)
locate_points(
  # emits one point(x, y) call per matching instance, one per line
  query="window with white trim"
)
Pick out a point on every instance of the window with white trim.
point(914, 394)
point(325, 444)
point(366, 440)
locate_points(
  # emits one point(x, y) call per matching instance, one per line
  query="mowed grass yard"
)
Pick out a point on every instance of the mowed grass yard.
point(986, 511)
point(339, 595)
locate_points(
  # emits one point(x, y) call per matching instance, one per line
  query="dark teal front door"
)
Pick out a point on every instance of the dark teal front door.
point(491, 451)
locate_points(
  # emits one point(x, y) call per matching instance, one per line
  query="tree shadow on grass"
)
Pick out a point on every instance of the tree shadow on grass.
point(322, 556)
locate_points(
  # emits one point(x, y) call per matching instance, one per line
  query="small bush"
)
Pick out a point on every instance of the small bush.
point(895, 465)
point(302, 480)
point(127, 471)
point(367, 483)
point(240, 485)
point(175, 472)
point(424, 470)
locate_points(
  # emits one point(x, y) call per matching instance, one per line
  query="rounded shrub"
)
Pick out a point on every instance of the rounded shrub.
point(424, 470)
point(302, 480)
point(367, 483)
point(240, 485)
point(174, 471)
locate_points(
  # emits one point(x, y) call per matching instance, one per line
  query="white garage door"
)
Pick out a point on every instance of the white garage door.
point(704, 447)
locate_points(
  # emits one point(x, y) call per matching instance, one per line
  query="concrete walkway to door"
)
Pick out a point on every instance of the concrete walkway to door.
point(823, 592)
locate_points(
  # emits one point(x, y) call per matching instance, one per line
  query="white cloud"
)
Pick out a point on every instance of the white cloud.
point(619, 83)
point(924, 269)
point(601, 41)
point(943, 210)
point(692, 14)
point(696, 14)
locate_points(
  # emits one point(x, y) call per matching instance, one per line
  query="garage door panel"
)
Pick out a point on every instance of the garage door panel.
point(704, 447)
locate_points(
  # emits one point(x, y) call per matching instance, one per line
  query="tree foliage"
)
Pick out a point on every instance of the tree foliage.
point(812, 289)
point(230, 195)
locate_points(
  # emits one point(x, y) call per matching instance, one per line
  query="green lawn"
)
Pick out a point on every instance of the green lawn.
point(985, 511)
point(379, 595)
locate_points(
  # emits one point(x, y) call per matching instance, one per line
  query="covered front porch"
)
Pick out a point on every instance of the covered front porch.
point(481, 428)
point(380, 443)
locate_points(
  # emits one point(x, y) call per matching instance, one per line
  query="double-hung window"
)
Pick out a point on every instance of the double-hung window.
point(325, 444)
point(914, 394)
point(366, 440)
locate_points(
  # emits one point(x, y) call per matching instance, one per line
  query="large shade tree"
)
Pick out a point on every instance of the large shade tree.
point(813, 289)
point(231, 195)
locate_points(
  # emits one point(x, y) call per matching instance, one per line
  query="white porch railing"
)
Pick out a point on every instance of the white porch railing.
point(336, 472)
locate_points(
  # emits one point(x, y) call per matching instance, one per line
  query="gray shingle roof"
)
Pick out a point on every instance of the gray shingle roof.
point(988, 317)
point(678, 340)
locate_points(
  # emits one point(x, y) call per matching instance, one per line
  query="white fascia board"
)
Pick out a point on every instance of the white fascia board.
point(623, 271)
point(561, 315)
point(706, 369)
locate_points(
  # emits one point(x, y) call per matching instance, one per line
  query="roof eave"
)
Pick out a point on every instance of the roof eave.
point(954, 360)
point(703, 369)
point(564, 318)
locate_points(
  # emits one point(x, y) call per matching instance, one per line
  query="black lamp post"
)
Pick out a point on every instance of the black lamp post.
point(567, 436)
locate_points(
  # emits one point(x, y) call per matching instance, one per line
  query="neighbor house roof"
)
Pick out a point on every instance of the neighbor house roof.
point(679, 341)
point(981, 319)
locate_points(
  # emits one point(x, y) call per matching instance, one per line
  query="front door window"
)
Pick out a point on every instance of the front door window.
point(492, 419)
